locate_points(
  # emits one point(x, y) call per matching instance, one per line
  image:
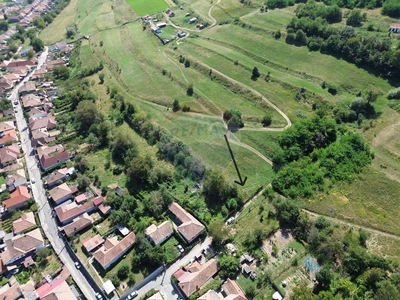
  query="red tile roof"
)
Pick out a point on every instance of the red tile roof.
point(46, 288)
point(19, 196)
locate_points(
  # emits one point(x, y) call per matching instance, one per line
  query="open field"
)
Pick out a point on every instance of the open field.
point(143, 7)
point(135, 61)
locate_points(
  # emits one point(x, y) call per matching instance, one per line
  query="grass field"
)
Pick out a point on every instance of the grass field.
point(143, 7)
point(135, 61)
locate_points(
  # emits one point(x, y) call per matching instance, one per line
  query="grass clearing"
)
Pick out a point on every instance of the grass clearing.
point(143, 7)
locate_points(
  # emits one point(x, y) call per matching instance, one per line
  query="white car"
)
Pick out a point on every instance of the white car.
point(33, 180)
point(230, 220)
point(180, 249)
point(99, 296)
point(77, 265)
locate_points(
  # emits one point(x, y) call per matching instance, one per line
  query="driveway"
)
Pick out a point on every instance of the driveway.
point(49, 224)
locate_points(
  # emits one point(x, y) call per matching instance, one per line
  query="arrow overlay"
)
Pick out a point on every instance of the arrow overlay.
point(241, 182)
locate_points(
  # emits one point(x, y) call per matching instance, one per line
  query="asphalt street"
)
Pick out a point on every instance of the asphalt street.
point(48, 223)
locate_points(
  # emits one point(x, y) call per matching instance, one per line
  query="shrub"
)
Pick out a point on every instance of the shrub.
point(394, 94)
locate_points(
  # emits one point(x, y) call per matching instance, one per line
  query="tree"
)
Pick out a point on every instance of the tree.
point(86, 113)
point(83, 182)
point(93, 141)
point(355, 18)
point(101, 78)
point(190, 89)
point(216, 189)
point(37, 44)
point(302, 293)
point(30, 54)
point(233, 119)
point(47, 18)
point(138, 170)
point(301, 37)
point(121, 146)
point(324, 277)
point(39, 23)
point(175, 105)
point(3, 25)
point(267, 120)
point(218, 231)
point(228, 266)
point(61, 72)
point(255, 73)
point(123, 271)
point(187, 63)
point(391, 8)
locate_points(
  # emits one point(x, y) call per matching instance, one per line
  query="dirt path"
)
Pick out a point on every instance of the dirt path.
point(378, 232)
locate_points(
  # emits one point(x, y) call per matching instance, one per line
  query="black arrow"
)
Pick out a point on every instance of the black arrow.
point(241, 182)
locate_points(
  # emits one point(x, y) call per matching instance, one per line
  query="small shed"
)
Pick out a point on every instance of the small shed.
point(161, 24)
point(108, 287)
point(394, 27)
point(246, 270)
point(193, 20)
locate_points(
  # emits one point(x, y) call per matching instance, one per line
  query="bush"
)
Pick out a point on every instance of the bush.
point(394, 94)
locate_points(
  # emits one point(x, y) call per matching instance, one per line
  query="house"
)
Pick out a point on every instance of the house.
point(188, 226)
point(12, 292)
point(92, 243)
point(159, 234)
point(12, 77)
point(54, 177)
point(61, 46)
point(161, 24)
point(58, 289)
point(52, 156)
point(13, 167)
point(210, 295)
point(21, 246)
point(60, 193)
point(36, 113)
point(48, 122)
point(66, 213)
point(156, 296)
point(181, 34)
point(9, 154)
point(5, 126)
point(155, 29)
point(246, 270)
point(232, 291)
point(25, 222)
point(6, 84)
point(15, 180)
point(78, 224)
point(394, 27)
point(146, 18)
point(27, 88)
point(10, 135)
point(112, 250)
point(246, 258)
point(30, 100)
point(38, 73)
point(80, 198)
point(41, 137)
point(17, 198)
point(191, 282)
point(193, 20)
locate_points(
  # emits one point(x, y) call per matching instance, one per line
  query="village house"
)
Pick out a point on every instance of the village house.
point(112, 250)
point(36, 113)
point(232, 291)
point(188, 226)
point(11, 292)
point(49, 122)
point(394, 27)
point(159, 234)
point(191, 281)
point(17, 198)
point(24, 223)
point(9, 155)
point(54, 177)
point(60, 193)
point(30, 100)
point(27, 88)
point(10, 135)
point(91, 244)
point(16, 179)
point(22, 245)
point(52, 156)
point(66, 213)
point(78, 224)
point(41, 137)
point(58, 289)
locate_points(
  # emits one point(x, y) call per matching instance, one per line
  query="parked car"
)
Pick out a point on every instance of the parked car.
point(132, 295)
point(230, 220)
point(180, 249)
point(33, 180)
point(99, 296)
point(77, 265)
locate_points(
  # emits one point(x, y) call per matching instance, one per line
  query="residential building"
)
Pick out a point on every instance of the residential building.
point(92, 243)
point(12, 292)
point(112, 250)
point(31, 100)
point(27, 88)
point(51, 156)
point(17, 198)
point(10, 135)
point(394, 27)
point(9, 154)
point(66, 213)
point(49, 122)
point(16, 179)
point(54, 177)
point(188, 226)
point(21, 246)
point(58, 289)
point(190, 282)
point(25, 222)
point(36, 113)
point(78, 224)
point(41, 137)
point(232, 291)
point(60, 193)
point(159, 234)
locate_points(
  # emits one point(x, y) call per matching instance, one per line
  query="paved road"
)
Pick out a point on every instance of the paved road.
point(163, 281)
point(48, 223)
